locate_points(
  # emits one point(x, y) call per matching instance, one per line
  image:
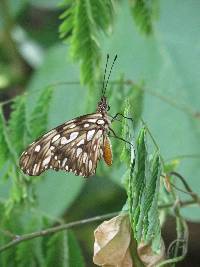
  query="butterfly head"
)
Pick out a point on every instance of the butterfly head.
point(103, 105)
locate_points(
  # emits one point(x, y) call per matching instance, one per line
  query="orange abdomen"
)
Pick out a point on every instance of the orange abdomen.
point(107, 151)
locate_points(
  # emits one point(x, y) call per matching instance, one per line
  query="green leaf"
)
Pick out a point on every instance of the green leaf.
point(143, 194)
point(84, 44)
point(143, 12)
point(138, 176)
point(30, 253)
point(127, 133)
point(106, 9)
point(39, 117)
point(11, 224)
point(57, 250)
point(75, 254)
point(17, 124)
point(85, 21)
point(4, 148)
point(152, 229)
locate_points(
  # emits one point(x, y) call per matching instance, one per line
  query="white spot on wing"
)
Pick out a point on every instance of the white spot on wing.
point(37, 148)
point(92, 120)
point(78, 151)
point(90, 165)
point(90, 134)
point(72, 126)
point(63, 140)
point(100, 122)
point(81, 142)
point(34, 168)
point(98, 134)
point(86, 125)
point(84, 157)
point(64, 161)
point(55, 138)
point(46, 161)
point(55, 157)
point(73, 136)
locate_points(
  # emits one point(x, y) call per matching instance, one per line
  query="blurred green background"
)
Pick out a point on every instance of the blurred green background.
point(166, 62)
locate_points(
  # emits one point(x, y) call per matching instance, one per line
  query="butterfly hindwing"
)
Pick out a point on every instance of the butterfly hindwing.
point(74, 146)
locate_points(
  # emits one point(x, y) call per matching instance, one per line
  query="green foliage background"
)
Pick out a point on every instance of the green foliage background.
point(157, 43)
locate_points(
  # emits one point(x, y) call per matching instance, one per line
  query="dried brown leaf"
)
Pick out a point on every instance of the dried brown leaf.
point(112, 240)
point(148, 257)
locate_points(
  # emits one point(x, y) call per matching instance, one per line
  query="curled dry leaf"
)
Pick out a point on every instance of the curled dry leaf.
point(148, 257)
point(112, 240)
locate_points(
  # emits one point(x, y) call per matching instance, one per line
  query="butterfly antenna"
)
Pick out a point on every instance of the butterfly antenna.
point(109, 74)
point(104, 76)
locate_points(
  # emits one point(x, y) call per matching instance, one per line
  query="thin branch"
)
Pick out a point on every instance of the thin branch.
point(18, 239)
point(186, 185)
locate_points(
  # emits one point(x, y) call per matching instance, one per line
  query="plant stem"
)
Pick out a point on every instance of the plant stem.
point(18, 239)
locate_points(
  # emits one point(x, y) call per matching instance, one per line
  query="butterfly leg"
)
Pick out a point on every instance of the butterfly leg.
point(120, 114)
point(118, 137)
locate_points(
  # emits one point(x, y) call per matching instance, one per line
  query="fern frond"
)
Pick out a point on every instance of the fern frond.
point(102, 12)
point(144, 12)
point(4, 148)
point(85, 20)
point(84, 44)
point(17, 124)
point(39, 117)
point(67, 16)
point(143, 194)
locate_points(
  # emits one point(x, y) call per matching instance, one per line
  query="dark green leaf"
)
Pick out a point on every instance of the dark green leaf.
point(57, 250)
point(39, 117)
point(143, 194)
point(75, 254)
point(138, 176)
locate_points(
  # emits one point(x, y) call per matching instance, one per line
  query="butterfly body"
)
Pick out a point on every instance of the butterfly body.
point(75, 146)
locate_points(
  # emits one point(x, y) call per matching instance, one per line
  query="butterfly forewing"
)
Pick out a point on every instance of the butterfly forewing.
point(74, 146)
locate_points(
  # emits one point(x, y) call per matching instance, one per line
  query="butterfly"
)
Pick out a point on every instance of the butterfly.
point(75, 146)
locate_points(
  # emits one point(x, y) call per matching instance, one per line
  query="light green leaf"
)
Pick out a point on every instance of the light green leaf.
point(17, 124)
point(85, 21)
point(144, 13)
point(4, 148)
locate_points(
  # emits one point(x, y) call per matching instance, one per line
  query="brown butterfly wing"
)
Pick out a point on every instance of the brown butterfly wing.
point(73, 146)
